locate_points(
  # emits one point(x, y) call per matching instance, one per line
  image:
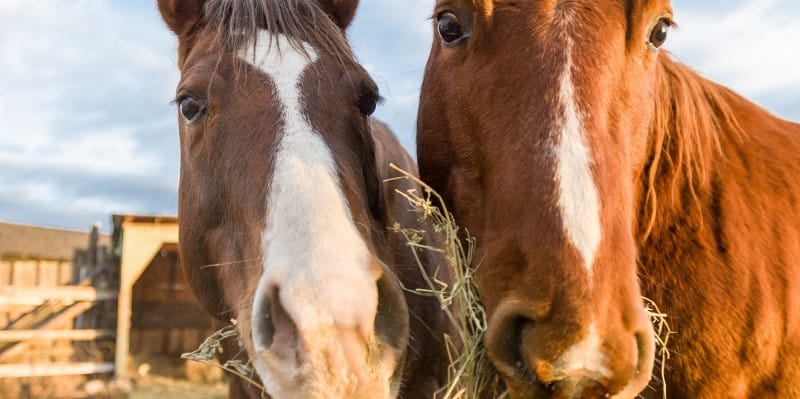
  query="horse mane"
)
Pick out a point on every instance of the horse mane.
point(236, 23)
point(691, 117)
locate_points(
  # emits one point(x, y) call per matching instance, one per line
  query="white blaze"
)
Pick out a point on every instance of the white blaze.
point(313, 253)
point(578, 199)
point(585, 356)
point(580, 212)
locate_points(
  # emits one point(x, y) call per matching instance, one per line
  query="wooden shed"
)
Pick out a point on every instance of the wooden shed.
point(34, 256)
point(156, 311)
point(80, 303)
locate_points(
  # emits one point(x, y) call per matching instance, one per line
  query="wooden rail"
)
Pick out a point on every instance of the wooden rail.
point(36, 296)
point(67, 313)
point(73, 335)
point(53, 369)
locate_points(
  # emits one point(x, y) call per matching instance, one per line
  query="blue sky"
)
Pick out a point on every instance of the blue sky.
point(86, 128)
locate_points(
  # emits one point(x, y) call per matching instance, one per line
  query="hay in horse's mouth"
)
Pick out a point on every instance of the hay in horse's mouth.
point(470, 375)
point(212, 346)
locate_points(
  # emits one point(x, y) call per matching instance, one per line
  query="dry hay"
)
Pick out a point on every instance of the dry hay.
point(470, 374)
point(662, 332)
point(213, 345)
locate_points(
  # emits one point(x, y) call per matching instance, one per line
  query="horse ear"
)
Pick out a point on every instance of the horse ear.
point(342, 11)
point(181, 16)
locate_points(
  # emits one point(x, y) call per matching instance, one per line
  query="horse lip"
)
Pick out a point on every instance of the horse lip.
point(295, 372)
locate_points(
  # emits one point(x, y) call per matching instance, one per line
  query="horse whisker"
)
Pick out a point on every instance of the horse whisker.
point(236, 262)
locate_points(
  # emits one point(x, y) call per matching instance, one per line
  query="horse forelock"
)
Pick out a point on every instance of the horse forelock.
point(690, 118)
point(238, 23)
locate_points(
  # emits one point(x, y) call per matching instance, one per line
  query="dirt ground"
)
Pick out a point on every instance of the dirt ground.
point(148, 387)
point(152, 377)
point(172, 388)
point(173, 378)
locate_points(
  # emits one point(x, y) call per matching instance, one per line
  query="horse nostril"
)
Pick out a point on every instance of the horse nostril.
point(263, 325)
point(644, 358)
point(504, 343)
point(646, 354)
point(390, 324)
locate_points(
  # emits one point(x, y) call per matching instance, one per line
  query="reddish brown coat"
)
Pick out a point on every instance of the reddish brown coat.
point(699, 200)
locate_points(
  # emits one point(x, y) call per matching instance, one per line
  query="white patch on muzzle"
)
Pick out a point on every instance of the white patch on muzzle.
point(585, 357)
point(578, 199)
point(314, 257)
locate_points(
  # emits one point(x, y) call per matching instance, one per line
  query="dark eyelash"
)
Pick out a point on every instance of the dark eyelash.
point(177, 100)
point(670, 22)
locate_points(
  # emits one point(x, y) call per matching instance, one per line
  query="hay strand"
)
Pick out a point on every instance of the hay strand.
point(662, 332)
point(470, 374)
point(213, 345)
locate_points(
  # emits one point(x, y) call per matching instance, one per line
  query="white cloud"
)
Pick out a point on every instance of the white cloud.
point(749, 45)
point(114, 152)
point(46, 195)
point(10, 6)
point(90, 82)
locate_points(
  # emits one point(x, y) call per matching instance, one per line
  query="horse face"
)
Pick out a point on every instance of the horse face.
point(279, 195)
point(533, 124)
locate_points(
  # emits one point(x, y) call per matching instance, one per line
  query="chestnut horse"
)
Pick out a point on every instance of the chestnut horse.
point(284, 213)
point(592, 168)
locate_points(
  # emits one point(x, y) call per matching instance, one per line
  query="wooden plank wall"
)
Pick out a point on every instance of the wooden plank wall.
point(19, 272)
point(166, 318)
point(34, 289)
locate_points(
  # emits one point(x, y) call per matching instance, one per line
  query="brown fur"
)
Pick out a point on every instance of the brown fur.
point(723, 253)
point(699, 192)
point(341, 11)
point(227, 159)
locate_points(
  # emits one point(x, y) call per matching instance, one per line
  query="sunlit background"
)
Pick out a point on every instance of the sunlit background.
point(86, 128)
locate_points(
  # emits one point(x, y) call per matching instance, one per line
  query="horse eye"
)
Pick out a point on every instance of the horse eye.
point(659, 33)
point(450, 29)
point(190, 109)
point(367, 104)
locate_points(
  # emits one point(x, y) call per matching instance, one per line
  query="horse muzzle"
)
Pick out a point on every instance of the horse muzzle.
point(307, 350)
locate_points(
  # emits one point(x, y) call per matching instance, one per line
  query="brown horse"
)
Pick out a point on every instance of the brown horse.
point(592, 169)
point(283, 209)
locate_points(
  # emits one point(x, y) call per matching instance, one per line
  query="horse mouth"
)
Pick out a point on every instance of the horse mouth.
point(329, 361)
point(332, 364)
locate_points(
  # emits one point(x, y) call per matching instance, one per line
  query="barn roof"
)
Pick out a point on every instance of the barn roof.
point(20, 240)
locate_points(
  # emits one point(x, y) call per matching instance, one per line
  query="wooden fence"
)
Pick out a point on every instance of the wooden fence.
point(42, 302)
